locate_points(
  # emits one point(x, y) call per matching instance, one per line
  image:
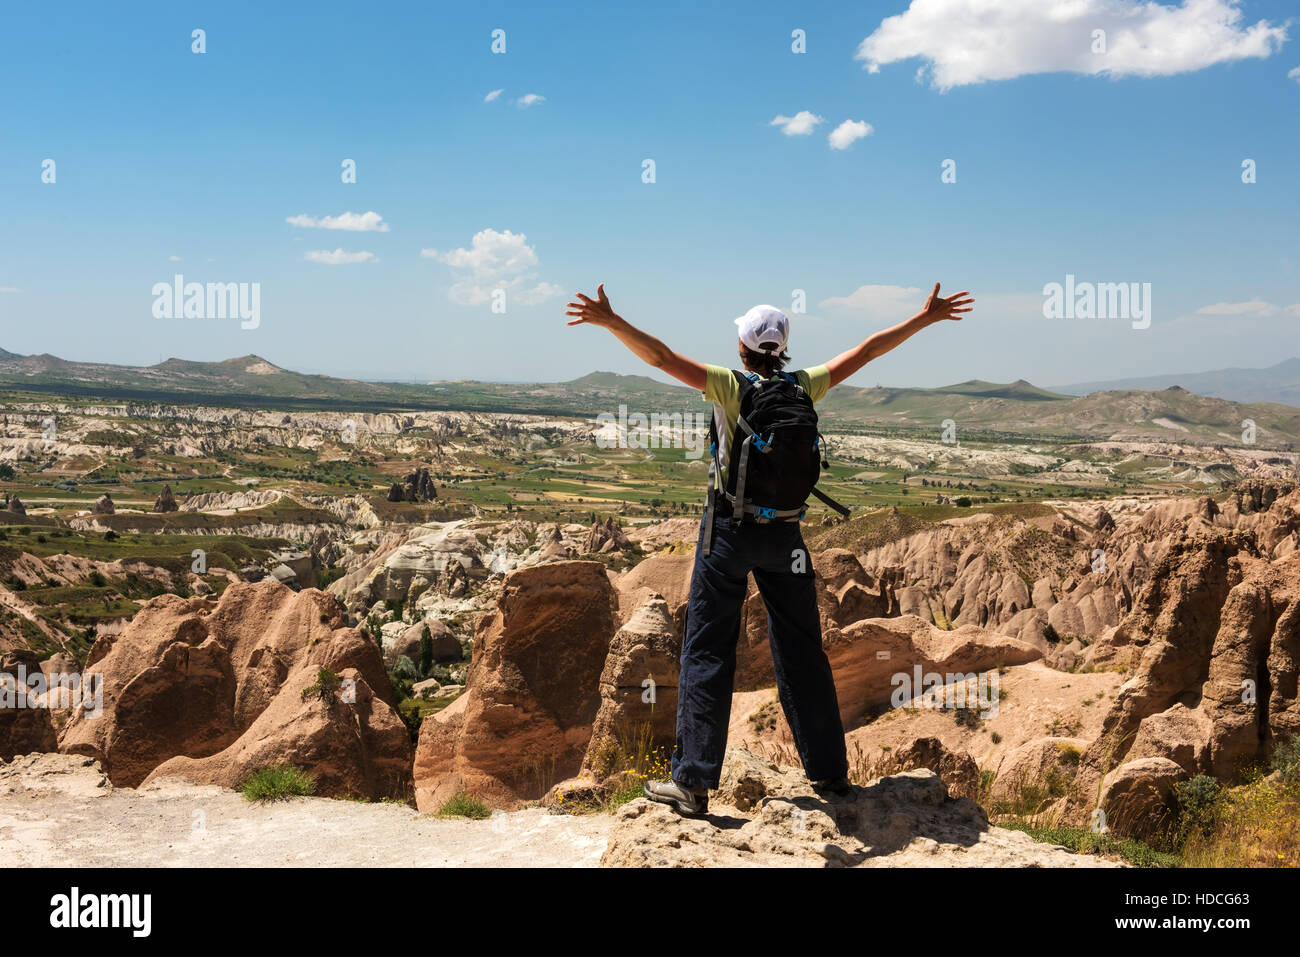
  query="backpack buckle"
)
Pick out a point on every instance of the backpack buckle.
point(762, 511)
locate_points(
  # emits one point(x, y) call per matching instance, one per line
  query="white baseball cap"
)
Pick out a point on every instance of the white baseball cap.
point(764, 324)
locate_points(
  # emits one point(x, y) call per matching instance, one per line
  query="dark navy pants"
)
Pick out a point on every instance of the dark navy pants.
point(782, 569)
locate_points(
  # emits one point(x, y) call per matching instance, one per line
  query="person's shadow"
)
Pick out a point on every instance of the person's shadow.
point(866, 821)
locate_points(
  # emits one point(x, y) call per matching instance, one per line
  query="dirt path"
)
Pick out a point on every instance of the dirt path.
point(58, 810)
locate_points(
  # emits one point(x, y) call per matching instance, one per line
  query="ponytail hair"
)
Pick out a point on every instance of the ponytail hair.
point(766, 364)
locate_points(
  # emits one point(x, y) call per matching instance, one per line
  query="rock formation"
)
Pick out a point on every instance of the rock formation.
point(606, 536)
point(218, 687)
point(638, 691)
point(1213, 645)
point(165, 502)
point(25, 726)
point(16, 505)
point(103, 506)
point(446, 646)
point(533, 690)
point(416, 487)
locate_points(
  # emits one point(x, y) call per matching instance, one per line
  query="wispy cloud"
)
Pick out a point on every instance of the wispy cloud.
point(1252, 307)
point(493, 95)
point(877, 302)
point(339, 257)
point(494, 260)
point(848, 133)
point(1294, 75)
point(370, 222)
point(974, 41)
point(4, 289)
point(174, 259)
point(529, 99)
point(801, 124)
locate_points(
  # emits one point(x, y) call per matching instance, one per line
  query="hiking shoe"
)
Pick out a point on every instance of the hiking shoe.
point(836, 787)
point(683, 800)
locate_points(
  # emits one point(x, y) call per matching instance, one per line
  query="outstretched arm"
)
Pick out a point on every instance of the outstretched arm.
point(936, 309)
point(598, 312)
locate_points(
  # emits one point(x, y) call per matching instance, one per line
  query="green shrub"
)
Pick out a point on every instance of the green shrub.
point(1286, 760)
point(405, 670)
point(462, 805)
point(426, 651)
point(326, 684)
point(277, 783)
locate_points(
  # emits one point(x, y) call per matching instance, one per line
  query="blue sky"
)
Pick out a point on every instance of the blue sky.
point(1124, 166)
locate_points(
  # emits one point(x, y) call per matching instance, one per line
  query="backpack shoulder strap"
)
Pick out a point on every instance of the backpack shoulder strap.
point(745, 381)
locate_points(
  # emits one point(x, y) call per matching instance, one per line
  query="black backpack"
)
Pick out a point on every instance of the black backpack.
point(776, 454)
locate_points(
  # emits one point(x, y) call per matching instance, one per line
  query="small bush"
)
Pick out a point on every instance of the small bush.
point(462, 805)
point(278, 783)
point(1286, 760)
point(325, 686)
point(1082, 841)
point(405, 669)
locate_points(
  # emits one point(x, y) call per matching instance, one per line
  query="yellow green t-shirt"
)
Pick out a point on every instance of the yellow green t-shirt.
point(722, 389)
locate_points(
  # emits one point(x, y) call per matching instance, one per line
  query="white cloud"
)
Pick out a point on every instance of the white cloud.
point(801, 124)
point(370, 222)
point(847, 133)
point(530, 99)
point(494, 261)
point(1294, 75)
point(1255, 307)
point(4, 289)
point(538, 294)
point(974, 41)
point(174, 259)
point(493, 95)
point(878, 302)
point(1293, 309)
point(338, 257)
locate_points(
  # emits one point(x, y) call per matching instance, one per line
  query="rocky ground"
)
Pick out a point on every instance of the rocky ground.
point(766, 816)
point(61, 811)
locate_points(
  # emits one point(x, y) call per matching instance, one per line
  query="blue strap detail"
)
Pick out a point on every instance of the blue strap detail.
point(763, 512)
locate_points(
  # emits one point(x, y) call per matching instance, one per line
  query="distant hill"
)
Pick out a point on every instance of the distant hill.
point(1279, 383)
point(976, 407)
